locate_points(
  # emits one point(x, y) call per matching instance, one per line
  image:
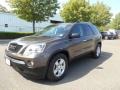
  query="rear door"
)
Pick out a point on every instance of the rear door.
point(89, 38)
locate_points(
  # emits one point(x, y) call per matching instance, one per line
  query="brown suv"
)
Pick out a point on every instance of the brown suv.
point(47, 53)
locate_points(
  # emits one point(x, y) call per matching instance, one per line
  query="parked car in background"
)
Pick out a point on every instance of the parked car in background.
point(118, 32)
point(106, 35)
point(114, 33)
point(109, 35)
point(49, 52)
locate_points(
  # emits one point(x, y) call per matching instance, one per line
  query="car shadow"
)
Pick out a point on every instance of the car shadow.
point(79, 68)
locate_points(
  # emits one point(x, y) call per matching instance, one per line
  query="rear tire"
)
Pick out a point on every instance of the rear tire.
point(97, 52)
point(58, 67)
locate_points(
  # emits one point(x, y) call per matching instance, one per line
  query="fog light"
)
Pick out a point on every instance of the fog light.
point(30, 64)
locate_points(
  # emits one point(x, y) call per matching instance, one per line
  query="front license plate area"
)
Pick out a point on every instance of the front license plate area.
point(8, 61)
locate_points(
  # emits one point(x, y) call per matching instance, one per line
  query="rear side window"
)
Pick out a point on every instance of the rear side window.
point(95, 29)
point(87, 30)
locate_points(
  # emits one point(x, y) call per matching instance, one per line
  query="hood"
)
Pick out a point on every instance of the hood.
point(36, 39)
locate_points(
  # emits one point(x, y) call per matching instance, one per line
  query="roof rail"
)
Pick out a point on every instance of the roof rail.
point(77, 21)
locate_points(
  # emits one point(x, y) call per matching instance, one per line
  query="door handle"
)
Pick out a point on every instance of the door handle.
point(87, 40)
point(84, 40)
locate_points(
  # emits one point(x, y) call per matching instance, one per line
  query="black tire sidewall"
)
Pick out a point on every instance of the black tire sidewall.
point(50, 74)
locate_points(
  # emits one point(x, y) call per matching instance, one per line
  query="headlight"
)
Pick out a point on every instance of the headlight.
point(34, 49)
point(8, 46)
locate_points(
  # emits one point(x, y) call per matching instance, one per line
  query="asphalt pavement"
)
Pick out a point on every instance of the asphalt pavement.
point(85, 73)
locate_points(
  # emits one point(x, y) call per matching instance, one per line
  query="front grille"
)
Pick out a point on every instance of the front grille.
point(14, 47)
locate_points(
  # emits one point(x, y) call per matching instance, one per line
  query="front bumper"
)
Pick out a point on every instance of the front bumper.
point(38, 73)
point(22, 68)
point(39, 69)
point(110, 36)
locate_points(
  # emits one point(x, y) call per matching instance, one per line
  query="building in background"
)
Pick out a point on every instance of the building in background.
point(11, 23)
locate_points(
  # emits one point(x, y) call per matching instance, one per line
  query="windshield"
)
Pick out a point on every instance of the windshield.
point(53, 31)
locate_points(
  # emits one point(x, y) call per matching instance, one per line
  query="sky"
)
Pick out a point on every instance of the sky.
point(113, 4)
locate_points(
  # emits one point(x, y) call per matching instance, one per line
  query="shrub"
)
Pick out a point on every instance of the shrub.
point(13, 35)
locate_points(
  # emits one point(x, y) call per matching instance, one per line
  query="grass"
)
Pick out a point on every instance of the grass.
point(13, 35)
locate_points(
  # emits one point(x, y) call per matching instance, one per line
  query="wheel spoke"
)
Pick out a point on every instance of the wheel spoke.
point(57, 63)
point(61, 61)
point(55, 71)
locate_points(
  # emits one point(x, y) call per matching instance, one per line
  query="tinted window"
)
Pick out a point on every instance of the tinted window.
point(87, 30)
point(95, 30)
point(77, 29)
point(54, 30)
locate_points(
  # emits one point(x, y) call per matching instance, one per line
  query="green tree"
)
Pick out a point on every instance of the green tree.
point(116, 22)
point(80, 10)
point(3, 9)
point(34, 10)
point(76, 10)
point(100, 14)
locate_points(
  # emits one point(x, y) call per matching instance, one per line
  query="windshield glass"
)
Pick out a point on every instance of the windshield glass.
point(53, 31)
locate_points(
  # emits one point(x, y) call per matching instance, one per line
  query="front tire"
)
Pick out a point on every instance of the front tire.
point(58, 67)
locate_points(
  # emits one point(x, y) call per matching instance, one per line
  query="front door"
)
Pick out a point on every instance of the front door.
point(77, 45)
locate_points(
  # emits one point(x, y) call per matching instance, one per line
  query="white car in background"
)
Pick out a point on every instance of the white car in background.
point(113, 33)
point(110, 34)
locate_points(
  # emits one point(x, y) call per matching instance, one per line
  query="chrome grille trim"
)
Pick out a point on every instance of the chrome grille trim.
point(19, 44)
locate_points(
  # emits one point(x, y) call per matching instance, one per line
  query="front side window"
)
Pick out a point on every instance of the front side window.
point(77, 29)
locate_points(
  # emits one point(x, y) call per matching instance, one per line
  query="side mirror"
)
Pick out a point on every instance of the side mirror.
point(75, 35)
